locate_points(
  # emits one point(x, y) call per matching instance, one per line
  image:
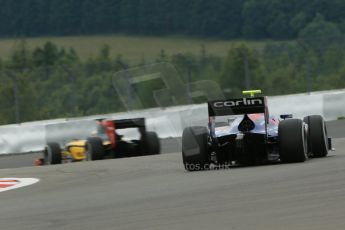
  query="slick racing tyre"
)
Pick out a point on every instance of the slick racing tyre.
point(292, 141)
point(317, 136)
point(152, 144)
point(94, 149)
point(52, 154)
point(195, 149)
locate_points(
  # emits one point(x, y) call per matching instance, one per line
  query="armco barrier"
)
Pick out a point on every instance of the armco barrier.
point(169, 122)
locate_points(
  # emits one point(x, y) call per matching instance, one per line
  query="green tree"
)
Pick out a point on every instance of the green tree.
point(129, 16)
point(20, 58)
point(65, 17)
point(48, 55)
point(298, 22)
point(241, 70)
point(319, 30)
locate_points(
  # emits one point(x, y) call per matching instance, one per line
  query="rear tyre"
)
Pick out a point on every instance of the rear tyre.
point(52, 154)
point(94, 149)
point(317, 136)
point(195, 149)
point(292, 141)
point(152, 144)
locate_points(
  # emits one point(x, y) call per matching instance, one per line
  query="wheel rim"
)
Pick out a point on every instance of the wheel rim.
point(88, 152)
point(325, 135)
point(47, 156)
point(305, 142)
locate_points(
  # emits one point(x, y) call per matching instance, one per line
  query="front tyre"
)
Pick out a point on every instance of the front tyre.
point(152, 144)
point(94, 149)
point(195, 148)
point(52, 154)
point(292, 141)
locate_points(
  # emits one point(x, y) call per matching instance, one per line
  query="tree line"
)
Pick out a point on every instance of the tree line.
point(250, 19)
point(52, 82)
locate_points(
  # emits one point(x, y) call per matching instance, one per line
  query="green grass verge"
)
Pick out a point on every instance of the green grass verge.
point(132, 48)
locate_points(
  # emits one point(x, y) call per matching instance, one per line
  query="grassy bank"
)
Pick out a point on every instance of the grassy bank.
point(132, 48)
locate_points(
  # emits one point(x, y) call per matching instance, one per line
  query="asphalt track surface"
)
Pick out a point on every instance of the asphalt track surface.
point(155, 192)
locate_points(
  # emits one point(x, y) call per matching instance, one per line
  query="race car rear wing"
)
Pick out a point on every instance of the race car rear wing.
point(131, 123)
point(237, 106)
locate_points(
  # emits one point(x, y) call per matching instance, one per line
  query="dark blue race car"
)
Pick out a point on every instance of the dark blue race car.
point(247, 135)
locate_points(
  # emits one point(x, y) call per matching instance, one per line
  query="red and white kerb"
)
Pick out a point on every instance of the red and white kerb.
point(5, 183)
point(14, 183)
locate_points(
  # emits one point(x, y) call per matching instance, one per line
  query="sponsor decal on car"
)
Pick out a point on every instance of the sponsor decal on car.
point(7, 184)
point(238, 102)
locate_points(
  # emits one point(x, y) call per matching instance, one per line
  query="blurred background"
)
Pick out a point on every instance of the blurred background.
point(59, 58)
